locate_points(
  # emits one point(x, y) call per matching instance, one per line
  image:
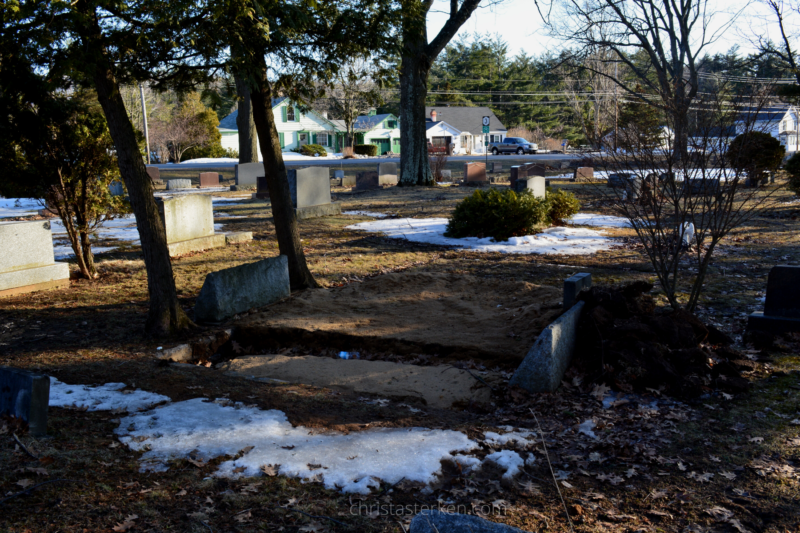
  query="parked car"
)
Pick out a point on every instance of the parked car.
point(513, 145)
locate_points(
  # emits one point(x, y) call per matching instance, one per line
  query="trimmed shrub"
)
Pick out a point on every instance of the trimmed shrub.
point(313, 150)
point(496, 214)
point(757, 153)
point(366, 149)
point(792, 168)
point(561, 205)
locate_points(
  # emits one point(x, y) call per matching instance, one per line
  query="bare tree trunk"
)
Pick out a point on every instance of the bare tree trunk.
point(165, 315)
point(283, 216)
point(415, 167)
point(248, 142)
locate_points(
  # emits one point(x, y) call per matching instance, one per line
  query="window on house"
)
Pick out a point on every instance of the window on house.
point(290, 113)
point(391, 124)
point(322, 139)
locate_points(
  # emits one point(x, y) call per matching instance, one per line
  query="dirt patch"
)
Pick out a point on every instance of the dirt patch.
point(625, 340)
point(445, 314)
point(437, 386)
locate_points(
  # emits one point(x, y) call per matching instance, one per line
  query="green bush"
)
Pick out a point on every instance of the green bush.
point(313, 149)
point(792, 168)
point(756, 153)
point(561, 205)
point(366, 149)
point(496, 214)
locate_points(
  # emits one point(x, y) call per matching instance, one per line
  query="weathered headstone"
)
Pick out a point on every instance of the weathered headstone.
point(495, 167)
point(702, 186)
point(633, 187)
point(516, 173)
point(247, 173)
point(475, 173)
point(584, 174)
point(262, 190)
point(179, 184)
point(447, 175)
point(574, 285)
point(310, 189)
point(543, 368)
point(25, 395)
point(349, 181)
point(189, 223)
point(155, 175)
point(338, 176)
point(435, 521)
point(209, 179)
point(116, 188)
point(618, 180)
point(27, 261)
point(366, 180)
point(534, 169)
point(782, 306)
point(235, 290)
point(387, 173)
point(536, 184)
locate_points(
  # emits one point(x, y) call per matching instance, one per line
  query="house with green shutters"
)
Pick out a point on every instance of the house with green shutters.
point(381, 130)
point(295, 128)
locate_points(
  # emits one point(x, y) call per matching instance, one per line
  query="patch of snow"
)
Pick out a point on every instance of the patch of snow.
point(520, 437)
point(226, 215)
point(567, 241)
point(204, 160)
point(365, 214)
point(229, 199)
point(508, 460)
point(119, 229)
point(586, 428)
point(19, 207)
point(594, 219)
point(467, 462)
point(106, 397)
point(349, 462)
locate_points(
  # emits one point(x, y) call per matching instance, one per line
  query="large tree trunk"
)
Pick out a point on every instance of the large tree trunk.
point(248, 142)
point(415, 167)
point(283, 215)
point(165, 315)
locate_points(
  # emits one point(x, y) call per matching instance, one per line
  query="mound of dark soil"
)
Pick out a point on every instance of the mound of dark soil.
point(624, 340)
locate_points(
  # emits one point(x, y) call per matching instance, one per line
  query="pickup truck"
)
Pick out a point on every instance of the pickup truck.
point(513, 145)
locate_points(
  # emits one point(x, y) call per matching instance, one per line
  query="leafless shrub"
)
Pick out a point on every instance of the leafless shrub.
point(438, 163)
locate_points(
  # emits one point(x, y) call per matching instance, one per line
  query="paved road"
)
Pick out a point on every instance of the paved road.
point(375, 160)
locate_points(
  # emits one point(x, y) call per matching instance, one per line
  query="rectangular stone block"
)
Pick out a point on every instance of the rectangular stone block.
point(262, 190)
point(537, 185)
point(196, 245)
point(116, 188)
point(367, 180)
point(759, 321)
point(584, 174)
point(310, 186)
point(783, 292)
point(316, 211)
point(387, 173)
point(447, 175)
point(618, 180)
point(25, 395)
point(702, 186)
point(234, 290)
point(349, 181)
point(495, 167)
point(154, 173)
point(238, 237)
point(574, 285)
point(475, 173)
point(179, 184)
point(62, 283)
point(338, 174)
point(25, 245)
point(209, 179)
point(34, 279)
point(516, 173)
point(543, 368)
point(247, 173)
point(186, 217)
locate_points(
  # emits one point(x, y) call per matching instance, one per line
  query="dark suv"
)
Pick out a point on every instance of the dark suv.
point(513, 145)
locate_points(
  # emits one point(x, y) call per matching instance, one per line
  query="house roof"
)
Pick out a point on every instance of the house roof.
point(430, 124)
point(766, 114)
point(466, 118)
point(366, 122)
point(229, 122)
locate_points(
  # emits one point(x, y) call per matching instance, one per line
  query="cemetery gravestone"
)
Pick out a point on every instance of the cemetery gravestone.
point(535, 169)
point(574, 285)
point(116, 188)
point(25, 395)
point(235, 290)
point(189, 223)
point(310, 189)
point(496, 167)
point(349, 181)
point(634, 188)
point(584, 174)
point(516, 173)
point(155, 175)
point(247, 174)
point(179, 184)
point(618, 180)
point(387, 173)
point(702, 186)
point(782, 306)
point(447, 175)
point(475, 173)
point(366, 180)
point(338, 176)
point(27, 263)
point(209, 179)
point(262, 190)
point(537, 185)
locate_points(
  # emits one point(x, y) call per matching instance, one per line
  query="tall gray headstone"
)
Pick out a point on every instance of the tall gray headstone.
point(246, 174)
point(25, 395)
point(310, 186)
point(536, 184)
point(782, 306)
point(387, 173)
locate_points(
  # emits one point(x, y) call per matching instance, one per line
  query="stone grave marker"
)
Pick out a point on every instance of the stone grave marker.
point(447, 175)
point(782, 306)
point(27, 263)
point(189, 223)
point(495, 167)
point(116, 188)
point(179, 184)
point(618, 180)
point(535, 169)
point(262, 190)
point(633, 188)
point(228, 292)
point(155, 175)
point(209, 179)
point(387, 173)
point(536, 184)
point(366, 180)
point(516, 173)
point(702, 186)
point(247, 174)
point(475, 173)
point(574, 285)
point(310, 189)
point(338, 176)
point(25, 395)
point(349, 181)
point(584, 174)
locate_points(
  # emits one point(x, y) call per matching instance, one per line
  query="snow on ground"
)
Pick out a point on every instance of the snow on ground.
point(19, 207)
point(229, 199)
point(365, 214)
point(206, 160)
point(106, 397)
point(568, 241)
point(593, 219)
point(521, 437)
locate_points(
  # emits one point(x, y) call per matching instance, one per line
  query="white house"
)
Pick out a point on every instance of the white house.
point(295, 128)
point(469, 123)
point(442, 134)
point(787, 130)
point(381, 130)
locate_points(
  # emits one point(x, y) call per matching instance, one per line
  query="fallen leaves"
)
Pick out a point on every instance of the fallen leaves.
point(128, 523)
point(270, 470)
point(25, 483)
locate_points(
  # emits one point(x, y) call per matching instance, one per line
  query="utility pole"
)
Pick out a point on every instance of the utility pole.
point(616, 107)
point(144, 122)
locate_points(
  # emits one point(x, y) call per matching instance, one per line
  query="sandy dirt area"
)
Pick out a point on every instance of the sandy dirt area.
point(450, 315)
